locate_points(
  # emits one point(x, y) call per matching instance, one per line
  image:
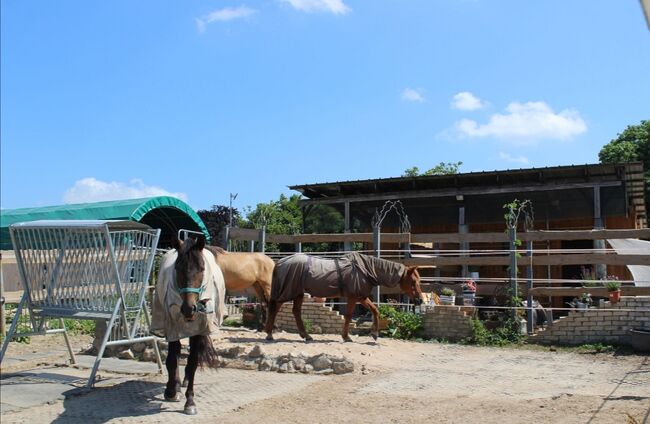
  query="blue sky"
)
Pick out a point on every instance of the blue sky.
point(104, 100)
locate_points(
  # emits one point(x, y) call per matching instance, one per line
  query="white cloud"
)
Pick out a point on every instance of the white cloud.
point(412, 95)
point(513, 159)
point(467, 101)
point(93, 190)
point(337, 7)
point(224, 15)
point(525, 123)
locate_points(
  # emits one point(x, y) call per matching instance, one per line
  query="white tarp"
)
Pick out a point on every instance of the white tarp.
point(640, 273)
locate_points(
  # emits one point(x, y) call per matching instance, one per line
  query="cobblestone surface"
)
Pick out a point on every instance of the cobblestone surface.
point(141, 401)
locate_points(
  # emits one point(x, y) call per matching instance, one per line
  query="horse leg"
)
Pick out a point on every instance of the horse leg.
point(375, 316)
point(190, 371)
point(352, 301)
point(297, 314)
point(274, 307)
point(172, 391)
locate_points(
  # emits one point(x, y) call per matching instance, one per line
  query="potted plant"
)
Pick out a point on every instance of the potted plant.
point(447, 297)
point(613, 290)
point(469, 292)
point(582, 302)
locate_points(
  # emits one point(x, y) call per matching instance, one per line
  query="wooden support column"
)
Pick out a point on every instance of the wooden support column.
point(601, 269)
point(347, 246)
point(464, 245)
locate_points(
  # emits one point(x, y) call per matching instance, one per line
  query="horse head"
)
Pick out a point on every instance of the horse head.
point(410, 285)
point(190, 269)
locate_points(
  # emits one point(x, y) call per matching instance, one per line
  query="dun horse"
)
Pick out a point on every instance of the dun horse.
point(244, 270)
point(352, 276)
point(189, 302)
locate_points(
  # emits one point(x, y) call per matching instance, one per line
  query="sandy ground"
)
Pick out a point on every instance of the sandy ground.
point(397, 381)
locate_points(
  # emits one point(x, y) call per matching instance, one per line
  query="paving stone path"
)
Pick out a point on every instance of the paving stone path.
point(141, 401)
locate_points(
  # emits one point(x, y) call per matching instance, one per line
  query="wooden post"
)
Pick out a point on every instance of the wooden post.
point(464, 246)
point(376, 239)
point(347, 246)
point(226, 238)
point(262, 240)
point(601, 269)
point(530, 324)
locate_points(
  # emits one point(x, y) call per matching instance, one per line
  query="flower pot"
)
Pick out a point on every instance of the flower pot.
point(614, 296)
point(447, 300)
point(582, 306)
point(469, 298)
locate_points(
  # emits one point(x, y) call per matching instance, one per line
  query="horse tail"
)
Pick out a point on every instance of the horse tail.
point(206, 353)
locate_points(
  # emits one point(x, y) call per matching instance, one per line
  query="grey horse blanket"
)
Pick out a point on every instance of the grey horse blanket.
point(352, 275)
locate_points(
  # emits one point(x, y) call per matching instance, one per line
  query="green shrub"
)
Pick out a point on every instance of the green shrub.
point(307, 324)
point(401, 325)
point(612, 286)
point(448, 292)
point(505, 334)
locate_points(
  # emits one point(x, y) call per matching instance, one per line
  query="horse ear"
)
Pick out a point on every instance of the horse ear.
point(200, 243)
point(176, 244)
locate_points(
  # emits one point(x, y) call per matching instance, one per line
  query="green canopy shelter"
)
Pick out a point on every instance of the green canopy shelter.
point(167, 213)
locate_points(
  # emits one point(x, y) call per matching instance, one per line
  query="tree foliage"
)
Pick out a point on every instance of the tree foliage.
point(443, 168)
point(632, 145)
point(216, 219)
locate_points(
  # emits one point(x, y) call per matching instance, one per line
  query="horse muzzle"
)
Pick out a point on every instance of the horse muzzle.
point(189, 312)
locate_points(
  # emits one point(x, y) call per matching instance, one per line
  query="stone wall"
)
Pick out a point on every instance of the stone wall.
point(323, 319)
point(599, 326)
point(447, 322)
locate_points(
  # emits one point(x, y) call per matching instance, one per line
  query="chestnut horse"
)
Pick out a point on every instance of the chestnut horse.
point(244, 270)
point(353, 276)
point(189, 302)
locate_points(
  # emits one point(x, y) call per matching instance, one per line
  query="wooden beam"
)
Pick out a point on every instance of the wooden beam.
point(531, 236)
point(570, 259)
point(594, 291)
point(244, 234)
point(415, 194)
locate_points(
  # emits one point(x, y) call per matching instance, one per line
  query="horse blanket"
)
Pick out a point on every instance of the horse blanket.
point(168, 321)
point(352, 275)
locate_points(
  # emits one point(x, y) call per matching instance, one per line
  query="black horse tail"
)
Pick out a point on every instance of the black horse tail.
point(205, 352)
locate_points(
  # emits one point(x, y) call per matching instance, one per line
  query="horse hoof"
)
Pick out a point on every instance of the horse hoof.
point(347, 339)
point(175, 398)
point(269, 338)
point(374, 336)
point(190, 410)
point(308, 338)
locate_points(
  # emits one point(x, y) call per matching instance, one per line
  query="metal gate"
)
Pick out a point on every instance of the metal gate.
point(97, 270)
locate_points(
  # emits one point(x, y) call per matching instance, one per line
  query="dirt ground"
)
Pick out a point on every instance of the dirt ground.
point(396, 381)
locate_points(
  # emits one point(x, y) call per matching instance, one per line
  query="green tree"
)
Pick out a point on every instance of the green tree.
point(443, 168)
point(285, 216)
point(632, 145)
point(215, 220)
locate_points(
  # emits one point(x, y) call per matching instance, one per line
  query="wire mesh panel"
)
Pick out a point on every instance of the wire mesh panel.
point(86, 270)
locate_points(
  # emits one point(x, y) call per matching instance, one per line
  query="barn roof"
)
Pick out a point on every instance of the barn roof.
point(485, 182)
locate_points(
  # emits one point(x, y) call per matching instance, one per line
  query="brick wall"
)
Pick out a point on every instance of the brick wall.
point(599, 326)
point(447, 322)
point(329, 321)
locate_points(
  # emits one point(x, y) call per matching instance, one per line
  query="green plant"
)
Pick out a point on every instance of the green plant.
point(448, 292)
point(613, 286)
point(231, 322)
point(401, 325)
point(307, 324)
point(595, 348)
point(507, 333)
